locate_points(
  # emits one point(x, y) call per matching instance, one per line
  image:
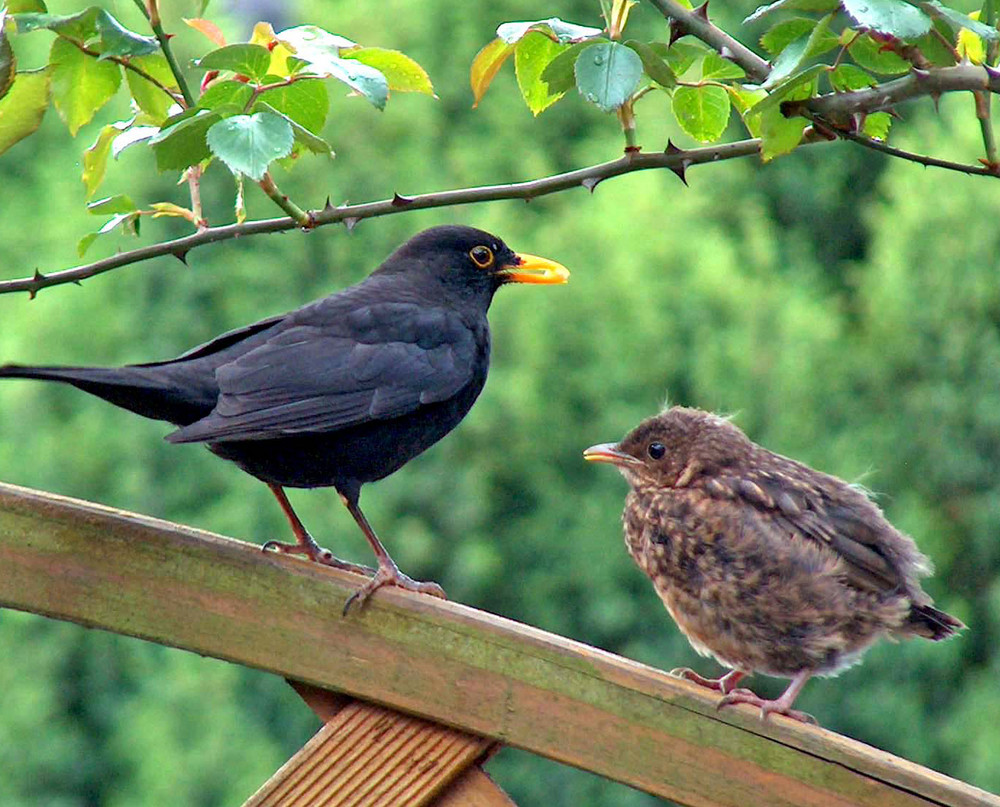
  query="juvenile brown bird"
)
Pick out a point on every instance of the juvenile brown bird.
point(342, 391)
point(764, 563)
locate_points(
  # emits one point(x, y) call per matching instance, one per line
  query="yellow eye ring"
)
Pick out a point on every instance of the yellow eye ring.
point(481, 256)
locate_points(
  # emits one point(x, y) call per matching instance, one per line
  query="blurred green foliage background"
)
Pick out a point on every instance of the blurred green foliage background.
point(845, 307)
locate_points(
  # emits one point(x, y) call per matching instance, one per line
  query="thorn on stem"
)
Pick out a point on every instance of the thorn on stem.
point(591, 182)
point(401, 201)
point(677, 30)
point(350, 222)
point(328, 206)
point(702, 11)
point(681, 167)
point(181, 255)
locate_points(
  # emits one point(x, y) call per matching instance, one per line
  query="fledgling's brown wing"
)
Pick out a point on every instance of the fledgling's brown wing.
point(821, 508)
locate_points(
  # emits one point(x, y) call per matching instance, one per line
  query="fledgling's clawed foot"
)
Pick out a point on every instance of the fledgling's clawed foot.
point(317, 554)
point(391, 576)
point(723, 684)
point(767, 707)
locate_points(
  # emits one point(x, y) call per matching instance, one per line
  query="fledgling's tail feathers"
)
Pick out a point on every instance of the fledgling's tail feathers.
point(932, 623)
point(150, 392)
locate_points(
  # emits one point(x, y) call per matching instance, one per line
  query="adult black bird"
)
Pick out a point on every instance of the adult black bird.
point(342, 391)
point(764, 563)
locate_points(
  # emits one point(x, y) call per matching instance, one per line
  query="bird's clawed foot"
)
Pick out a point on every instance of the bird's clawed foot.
point(779, 706)
point(317, 554)
point(724, 684)
point(388, 574)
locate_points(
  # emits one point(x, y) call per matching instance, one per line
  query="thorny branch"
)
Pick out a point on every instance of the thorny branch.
point(696, 23)
point(673, 159)
point(833, 116)
point(834, 113)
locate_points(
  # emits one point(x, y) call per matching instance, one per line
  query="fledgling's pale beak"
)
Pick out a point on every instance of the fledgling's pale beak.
point(609, 452)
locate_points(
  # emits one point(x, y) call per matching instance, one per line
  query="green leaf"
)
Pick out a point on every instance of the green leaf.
point(22, 6)
point(868, 53)
point(248, 144)
point(150, 98)
point(402, 72)
point(957, 20)
point(305, 101)
point(796, 53)
point(95, 159)
point(182, 143)
point(939, 53)
point(84, 243)
point(23, 107)
point(132, 135)
point(311, 141)
point(8, 64)
point(564, 32)
point(894, 17)
point(702, 112)
point(364, 80)
point(788, 62)
point(790, 89)
point(321, 50)
point(114, 39)
point(780, 135)
point(608, 74)
point(715, 68)
point(226, 93)
point(95, 28)
point(682, 56)
point(486, 65)
point(80, 84)
point(129, 223)
point(876, 125)
point(80, 27)
point(820, 6)
point(744, 99)
point(312, 43)
point(849, 77)
point(244, 59)
point(558, 73)
point(532, 55)
point(112, 204)
point(654, 65)
point(779, 36)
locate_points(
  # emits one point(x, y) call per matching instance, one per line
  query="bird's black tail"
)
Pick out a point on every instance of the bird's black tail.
point(932, 623)
point(147, 391)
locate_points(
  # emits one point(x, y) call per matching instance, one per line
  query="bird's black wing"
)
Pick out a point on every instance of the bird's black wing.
point(835, 516)
point(379, 361)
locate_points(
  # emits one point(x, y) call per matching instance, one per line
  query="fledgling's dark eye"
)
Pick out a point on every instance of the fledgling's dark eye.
point(656, 451)
point(481, 256)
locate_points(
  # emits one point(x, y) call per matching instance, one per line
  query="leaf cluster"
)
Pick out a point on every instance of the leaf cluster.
point(259, 102)
point(844, 46)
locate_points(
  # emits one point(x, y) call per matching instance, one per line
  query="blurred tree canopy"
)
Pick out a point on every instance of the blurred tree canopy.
point(844, 306)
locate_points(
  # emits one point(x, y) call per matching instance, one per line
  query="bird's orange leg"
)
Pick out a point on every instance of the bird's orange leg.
point(724, 684)
point(388, 573)
point(781, 706)
point(305, 544)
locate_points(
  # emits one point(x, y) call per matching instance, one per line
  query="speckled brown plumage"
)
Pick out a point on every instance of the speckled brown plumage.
point(764, 563)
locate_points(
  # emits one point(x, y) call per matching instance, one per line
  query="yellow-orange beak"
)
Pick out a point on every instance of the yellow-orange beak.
point(532, 269)
point(609, 452)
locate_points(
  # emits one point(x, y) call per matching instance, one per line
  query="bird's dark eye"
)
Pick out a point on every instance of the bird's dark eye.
point(481, 256)
point(656, 451)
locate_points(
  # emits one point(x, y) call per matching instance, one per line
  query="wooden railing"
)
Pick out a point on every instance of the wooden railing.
point(417, 692)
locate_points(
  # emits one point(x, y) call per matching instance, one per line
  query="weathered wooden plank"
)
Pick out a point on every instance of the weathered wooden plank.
point(474, 788)
point(442, 661)
point(370, 756)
